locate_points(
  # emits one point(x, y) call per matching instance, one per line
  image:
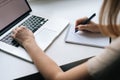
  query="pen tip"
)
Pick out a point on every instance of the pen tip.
point(76, 30)
point(94, 14)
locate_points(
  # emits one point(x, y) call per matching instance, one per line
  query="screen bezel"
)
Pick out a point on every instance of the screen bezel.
point(9, 26)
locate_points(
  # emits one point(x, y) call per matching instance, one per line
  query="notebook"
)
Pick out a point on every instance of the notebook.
point(86, 38)
point(14, 13)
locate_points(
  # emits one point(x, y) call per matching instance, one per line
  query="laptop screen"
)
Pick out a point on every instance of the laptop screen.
point(11, 10)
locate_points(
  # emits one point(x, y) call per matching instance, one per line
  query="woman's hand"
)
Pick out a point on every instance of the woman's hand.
point(23, 35)
point(91, 26)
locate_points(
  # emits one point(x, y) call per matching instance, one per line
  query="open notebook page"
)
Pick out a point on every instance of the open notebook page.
point(86, 38)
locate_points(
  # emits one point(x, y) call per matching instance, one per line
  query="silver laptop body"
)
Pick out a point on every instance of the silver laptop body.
point(14, 13)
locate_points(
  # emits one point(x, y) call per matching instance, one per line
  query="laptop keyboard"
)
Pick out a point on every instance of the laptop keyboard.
point(33, 23)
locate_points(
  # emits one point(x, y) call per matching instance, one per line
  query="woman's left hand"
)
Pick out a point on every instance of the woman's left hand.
point(23, 35)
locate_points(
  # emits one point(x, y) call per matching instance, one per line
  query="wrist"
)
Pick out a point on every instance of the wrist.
point(28, 43)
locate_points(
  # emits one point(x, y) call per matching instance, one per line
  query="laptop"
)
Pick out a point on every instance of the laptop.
point(14, 13)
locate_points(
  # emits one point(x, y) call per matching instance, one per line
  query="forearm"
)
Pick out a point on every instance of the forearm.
point(50, 70)
point(47, 67)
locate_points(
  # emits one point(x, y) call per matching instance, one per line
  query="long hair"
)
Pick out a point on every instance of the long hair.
point(109, 18)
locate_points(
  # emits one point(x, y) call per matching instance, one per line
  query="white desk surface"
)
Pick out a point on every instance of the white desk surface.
point(61, 52)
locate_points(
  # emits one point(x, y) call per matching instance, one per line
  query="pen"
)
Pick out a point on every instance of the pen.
point(86, 21)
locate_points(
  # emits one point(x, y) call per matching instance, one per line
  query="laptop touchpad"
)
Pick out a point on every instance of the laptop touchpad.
point(45, 37)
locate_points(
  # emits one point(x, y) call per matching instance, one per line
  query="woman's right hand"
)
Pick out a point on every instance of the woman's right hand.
point(91, 26)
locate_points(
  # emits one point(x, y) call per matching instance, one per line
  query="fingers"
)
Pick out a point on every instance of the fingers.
point(90, 26)
point(80, 21)
point(13, 33)
point(82, 27)
point(17, 30)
